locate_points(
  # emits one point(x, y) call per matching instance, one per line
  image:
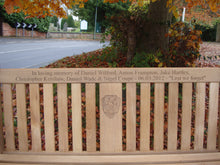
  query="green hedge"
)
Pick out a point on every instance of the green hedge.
point(11, 19)
point(208, 32)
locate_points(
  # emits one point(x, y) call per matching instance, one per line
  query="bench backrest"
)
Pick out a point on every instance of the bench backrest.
point(111, 110)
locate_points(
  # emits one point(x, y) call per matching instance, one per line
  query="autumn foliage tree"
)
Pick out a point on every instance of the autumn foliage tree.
point(42, 8)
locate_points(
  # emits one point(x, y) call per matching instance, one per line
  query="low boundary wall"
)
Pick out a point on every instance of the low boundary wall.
point(71, 35)
point(8, 31)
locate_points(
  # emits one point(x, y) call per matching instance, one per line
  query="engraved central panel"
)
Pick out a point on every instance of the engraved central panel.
point(110, 104)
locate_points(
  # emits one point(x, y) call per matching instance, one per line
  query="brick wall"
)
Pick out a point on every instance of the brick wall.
point(8, 31)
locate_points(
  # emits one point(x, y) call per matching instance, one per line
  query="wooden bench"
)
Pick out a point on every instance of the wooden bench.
point(110, 116)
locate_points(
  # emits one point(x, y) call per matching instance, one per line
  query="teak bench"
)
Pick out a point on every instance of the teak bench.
point(110, 116)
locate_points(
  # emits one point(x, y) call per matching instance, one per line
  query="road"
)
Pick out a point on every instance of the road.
point(35, 53)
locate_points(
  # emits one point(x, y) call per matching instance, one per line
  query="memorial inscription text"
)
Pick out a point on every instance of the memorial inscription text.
point(112, 75)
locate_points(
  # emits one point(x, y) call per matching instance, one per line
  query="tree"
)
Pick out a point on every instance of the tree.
point(70, 21)
point(157, 26)
point(201, 13)
point(104, 10)
point(42, 8)
point(63, 21)
point(54, 20)
point(127, 28)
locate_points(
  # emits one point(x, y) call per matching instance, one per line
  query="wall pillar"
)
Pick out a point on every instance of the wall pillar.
point(218, 33)
point(1, 28)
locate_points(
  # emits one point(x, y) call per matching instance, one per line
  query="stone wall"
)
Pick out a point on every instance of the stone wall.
point(74, 35)
point(8, 31)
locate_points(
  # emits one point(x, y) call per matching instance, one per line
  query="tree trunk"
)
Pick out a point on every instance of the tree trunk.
point(153, 37)
point(131, 43)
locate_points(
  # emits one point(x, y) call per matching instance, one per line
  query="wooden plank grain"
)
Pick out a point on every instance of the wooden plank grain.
point(201, 163)
point(131, 117)
point(109, 75)
point(35, 117)
point(8, 117)
point(186, 116)
point(62, 117)
point(199, 116)
point(150, 159)
point(1, 123)
point(213, 115)
point(145, 117)
point(90, 117)
point(219, 133)
point(172, 116)
point(111, 117)
point(21, 117)
point(159, 117)
point(76, 117)
point(49, 118)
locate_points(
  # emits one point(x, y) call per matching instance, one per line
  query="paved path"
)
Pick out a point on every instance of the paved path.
point(34, 53)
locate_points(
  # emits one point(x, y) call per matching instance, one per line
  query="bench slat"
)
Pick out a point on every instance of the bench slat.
point(49, 118)
point(213, 115)
point(131, 117)
point(171, 158)
point(199, 116)
point(8, 117)
point(159, 117)
point(186, 116)
point(76, 117)
point(145, 117)
point(21, 117)
point(35, 117)
point(1, 125)
point(111, 117)
point(172, 116)
point(62, 117)
point(90, 117)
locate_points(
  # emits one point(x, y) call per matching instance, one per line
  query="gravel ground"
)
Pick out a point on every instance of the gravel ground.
point(210, 54)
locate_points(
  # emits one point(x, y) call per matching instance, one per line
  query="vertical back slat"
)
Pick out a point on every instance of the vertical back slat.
point(219, 131)
point(159, 116)
point(1, 125)
point(22, 117)
point(35, 117)
point(172, 115)
point(49, 118)
point(90, 118)
point(111, 117)
point(131, 117)
point(8, 118)
point(145, 118)
point(199, 116)
point(76, 117)
point(62, 117)
point(186, 116)
point(213, 115)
